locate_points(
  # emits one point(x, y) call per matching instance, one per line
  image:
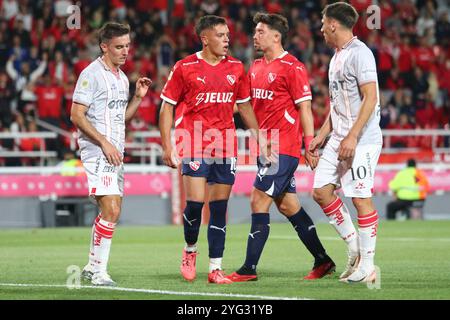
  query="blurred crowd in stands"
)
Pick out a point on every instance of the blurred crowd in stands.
point(41, 58)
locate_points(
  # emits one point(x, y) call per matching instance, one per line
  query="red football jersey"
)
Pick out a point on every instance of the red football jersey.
point(204, 96)
point(276, 88)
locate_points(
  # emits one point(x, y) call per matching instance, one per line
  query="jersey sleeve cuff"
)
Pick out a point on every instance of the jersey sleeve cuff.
point(79, 101)
point(168, 100)
point(243, 100)
point(303, 99)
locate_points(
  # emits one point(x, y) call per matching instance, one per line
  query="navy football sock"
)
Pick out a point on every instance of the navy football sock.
point(306, 231)
point(257, 238)
point(217, 228)
point(192, 218)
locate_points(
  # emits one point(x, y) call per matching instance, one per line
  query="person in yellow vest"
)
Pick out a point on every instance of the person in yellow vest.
point(71, 166)
point(411, 187)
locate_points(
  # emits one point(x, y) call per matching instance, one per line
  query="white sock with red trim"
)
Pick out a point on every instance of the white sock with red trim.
point(101, 244)
point(368, 225)
point(341, 220)
point(91, 247)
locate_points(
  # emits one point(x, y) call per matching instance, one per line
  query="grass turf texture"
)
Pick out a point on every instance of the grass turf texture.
point(413, 256)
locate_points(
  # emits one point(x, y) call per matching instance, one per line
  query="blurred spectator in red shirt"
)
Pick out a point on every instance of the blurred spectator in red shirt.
point(49, 100)
point(403, 123)
point(31, 144)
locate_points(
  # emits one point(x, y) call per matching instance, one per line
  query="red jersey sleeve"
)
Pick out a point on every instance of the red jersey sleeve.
point(243, 90)
point(298, 84)
point(173, 90)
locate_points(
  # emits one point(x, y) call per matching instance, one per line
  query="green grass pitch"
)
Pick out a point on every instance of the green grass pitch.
point(413, 257)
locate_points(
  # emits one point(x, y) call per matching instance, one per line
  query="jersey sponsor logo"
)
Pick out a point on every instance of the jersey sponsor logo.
point(271, 77)
point(202, 79)
point(194, 165)
point(117, 104)
point(253, 75)
point(305, 88)
point(214, 97)
point(262, 94)
point(231, 79)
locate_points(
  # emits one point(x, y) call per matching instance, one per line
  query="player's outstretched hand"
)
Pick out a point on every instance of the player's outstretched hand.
point(142, 85)
point(170, 158)
point(111, 153)
point(347, 148)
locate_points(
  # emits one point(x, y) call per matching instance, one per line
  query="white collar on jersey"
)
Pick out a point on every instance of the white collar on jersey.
point(279, 57)
point(349, 41)
point(199, 55)
point(106, 66)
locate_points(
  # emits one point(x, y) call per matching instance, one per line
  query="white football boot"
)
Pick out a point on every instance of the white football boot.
point(102, 278)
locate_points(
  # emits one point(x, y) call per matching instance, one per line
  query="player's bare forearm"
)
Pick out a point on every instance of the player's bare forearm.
point(132, 108)
point(306, 118)
point(326, 128)
point(369, 92)
point(78, 118)
point(248, 117)
point(165, 124)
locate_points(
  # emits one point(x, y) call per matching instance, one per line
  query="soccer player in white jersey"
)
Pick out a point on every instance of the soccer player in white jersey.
point(100, 109)
point(351, 154)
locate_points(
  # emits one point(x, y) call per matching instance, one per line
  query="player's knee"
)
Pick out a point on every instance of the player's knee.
point(362, 204)
point(257, 202)
point(320, 197)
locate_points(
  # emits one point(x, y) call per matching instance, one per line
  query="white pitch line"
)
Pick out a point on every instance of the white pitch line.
point(378, 239)
point(151, 291)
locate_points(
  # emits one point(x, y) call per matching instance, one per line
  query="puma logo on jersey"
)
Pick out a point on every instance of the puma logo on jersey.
point(262, 94)
point(214, 97)
point(202, 79)
point(217, 228)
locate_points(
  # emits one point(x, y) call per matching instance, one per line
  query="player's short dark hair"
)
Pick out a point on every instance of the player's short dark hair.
point(343, 12)
point(208, 22)
point(111, 30)
point(274, 21)
point(411, 163)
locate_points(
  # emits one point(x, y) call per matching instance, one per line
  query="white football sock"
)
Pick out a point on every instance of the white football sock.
point(368, 225)
point(341, 220)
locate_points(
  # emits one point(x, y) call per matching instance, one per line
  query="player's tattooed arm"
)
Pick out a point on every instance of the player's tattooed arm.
point(78, 117)
point(169, 156)
point(369, 102)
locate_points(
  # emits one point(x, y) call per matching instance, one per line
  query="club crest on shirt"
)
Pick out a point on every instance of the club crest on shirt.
point(231, 79)
point(271, 77)
point(194, 165)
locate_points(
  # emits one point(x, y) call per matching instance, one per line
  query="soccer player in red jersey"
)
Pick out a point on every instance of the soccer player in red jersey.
point(281, 99)
point(204, 87)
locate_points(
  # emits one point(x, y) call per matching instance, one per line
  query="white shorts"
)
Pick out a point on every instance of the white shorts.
point(355, 176)
point(103, 178)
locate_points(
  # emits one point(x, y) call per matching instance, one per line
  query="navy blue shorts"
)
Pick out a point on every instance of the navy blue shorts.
point(221, 171)
point(276, 179)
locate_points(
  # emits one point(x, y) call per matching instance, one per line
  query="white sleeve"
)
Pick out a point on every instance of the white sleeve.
point(365, 66)
point(84, 89)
